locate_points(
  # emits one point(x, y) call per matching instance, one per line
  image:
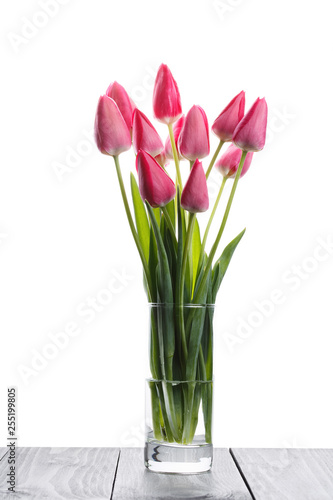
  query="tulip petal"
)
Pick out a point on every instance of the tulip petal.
point(124, 102)
point(250, 133)
point(195, 193)
point(154, 183)
point(228, 119)
point(111, 132)
point(193, 140)
point(228, 164)
point(166, 98)
point(145, 135)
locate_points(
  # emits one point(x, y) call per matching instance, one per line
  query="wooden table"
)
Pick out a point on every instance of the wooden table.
point(110, 473)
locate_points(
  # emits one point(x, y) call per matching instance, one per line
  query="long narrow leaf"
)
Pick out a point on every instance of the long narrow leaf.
point(152, 264)
point(157, 213)
point(196, 249)
point(222, 264)
point(194, 334)
point(141, 219)
point(171, 211)
point(165, 288)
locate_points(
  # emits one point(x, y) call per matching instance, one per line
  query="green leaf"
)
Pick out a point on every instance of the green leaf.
point(194, 332)
point(200, 274)
point(152, 264)
point(141, 218)
point(222, 264)
point(165, 290)
point(180, 248)
point(171, 211)
point(172, 257)
point(187, 284)
point(196, 249)
point(157, 213)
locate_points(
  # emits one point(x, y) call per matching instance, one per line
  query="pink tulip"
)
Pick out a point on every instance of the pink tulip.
point(250, 133)
point(166, 98)
point(111, 132)
point(177, 128)
point(195, 193)
point(154, 183)
point(227, 165)
point(193, 140)
point(229, 118)
point(144, 135)
point(124, 102)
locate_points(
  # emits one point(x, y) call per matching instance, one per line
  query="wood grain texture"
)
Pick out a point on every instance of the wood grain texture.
point(293, 474)
point(62, 473)
point(134, 482)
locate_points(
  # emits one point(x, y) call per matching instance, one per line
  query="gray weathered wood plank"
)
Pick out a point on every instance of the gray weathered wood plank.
point(134, 482)
point(62, 473)
point(293, 474)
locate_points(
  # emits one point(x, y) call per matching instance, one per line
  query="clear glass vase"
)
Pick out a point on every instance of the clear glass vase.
point(179, 393)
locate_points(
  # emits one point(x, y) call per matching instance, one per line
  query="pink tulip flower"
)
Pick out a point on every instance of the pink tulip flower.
point(154, 183)
point(111, 132)
point(144, 135)
point(250, 133)
point(166, 98)
point(195, 193)
point(193, 140)
point(124, 102)
point(177, 128)
point(228, 119)
point(227, 165)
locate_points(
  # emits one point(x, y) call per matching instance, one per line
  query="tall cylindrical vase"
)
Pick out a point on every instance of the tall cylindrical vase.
point(179, 392)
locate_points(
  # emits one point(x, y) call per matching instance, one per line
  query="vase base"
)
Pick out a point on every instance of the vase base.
point(173, 458)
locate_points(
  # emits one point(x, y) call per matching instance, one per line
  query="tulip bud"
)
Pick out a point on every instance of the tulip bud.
point(193, 140)
point(166, 99)
point(195, 193)
point(228, 119)
point(154, 183)
point(177, 128)
point(111, 133)
point(227, 165)
point(250, 133)
point(124, 102)
point(144, 135)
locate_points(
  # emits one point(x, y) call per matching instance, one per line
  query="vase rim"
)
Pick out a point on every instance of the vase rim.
point(173, 304)
point(150, 379)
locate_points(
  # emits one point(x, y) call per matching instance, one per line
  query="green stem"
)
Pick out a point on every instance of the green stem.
point(204, 240)
point(219, 235)
point(132, 226)
point(175, 156)
point(213, 160)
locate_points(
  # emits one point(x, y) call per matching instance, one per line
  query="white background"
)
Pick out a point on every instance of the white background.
point(63, 237)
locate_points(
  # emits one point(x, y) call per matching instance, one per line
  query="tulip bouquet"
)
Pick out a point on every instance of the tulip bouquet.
point(181, 278)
